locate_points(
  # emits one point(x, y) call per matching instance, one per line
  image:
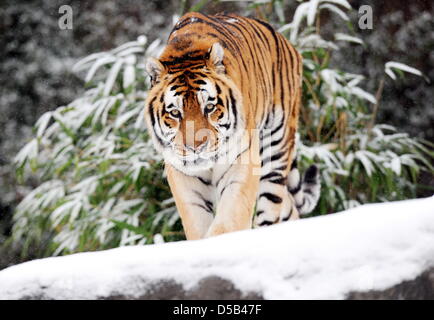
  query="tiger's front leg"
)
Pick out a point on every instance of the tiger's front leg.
point(193, 200)
point(236, 188)
point(237, 200)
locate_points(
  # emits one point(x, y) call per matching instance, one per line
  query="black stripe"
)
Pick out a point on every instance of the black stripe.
point(260, 51)
point(151, 111)
point(220, 40)
point(275, 130)
point(271, 175)
point(267, 121)
point(276, 42)
point(281, 168)
point(198, 66)
point(196, 74)
point(251, 50)
point(274, 157)
point(308, 191)
point(182, 59)
point(233, 107)
point(220, 101)
point(266, 25)
point(296, 189)
point(204, 181)
point(302, 204)
point(183, 23)
point(279, 155)
point(272, 144)
point(207, 203)
point(215, 25)
point(201, 206)
point(281, 181)
point(311, 174)
point(179, 93)
point(284, 70)
point(233, 41)
point(294, 163)
point(176, 86)
point(261, 35)
point(266, 223)
point(164, 111)
point(293, 68)
point(289, 215)
point(220, 27)
point(271, 197)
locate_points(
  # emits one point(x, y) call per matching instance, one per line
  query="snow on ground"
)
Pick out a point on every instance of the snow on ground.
point(371, 247)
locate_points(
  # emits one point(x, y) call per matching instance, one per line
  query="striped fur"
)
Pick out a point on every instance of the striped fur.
point(304, 191)
point(223, 110)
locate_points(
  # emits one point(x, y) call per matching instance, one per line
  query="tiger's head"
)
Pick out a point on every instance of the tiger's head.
point(192, 109)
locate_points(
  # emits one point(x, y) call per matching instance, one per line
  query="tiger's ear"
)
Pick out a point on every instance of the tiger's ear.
point(154, 68)
point(216, 55)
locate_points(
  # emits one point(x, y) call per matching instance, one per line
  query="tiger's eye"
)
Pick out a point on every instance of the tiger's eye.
point(209, 108)
point(175, 113)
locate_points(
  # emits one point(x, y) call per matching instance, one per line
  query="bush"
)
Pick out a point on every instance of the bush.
point(103, 182)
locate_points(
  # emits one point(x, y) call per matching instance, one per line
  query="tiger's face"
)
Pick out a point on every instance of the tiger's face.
point(191, 111)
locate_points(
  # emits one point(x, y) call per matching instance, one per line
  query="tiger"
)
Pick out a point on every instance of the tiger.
point(223, 111)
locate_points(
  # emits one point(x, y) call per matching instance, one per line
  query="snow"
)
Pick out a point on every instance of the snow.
point(371, 247)
point(232, 20)
point(400, 66)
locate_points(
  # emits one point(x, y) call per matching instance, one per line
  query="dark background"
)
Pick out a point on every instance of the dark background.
point(37, 56)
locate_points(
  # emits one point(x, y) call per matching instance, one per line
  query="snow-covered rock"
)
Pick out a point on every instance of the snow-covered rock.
point(373, 251)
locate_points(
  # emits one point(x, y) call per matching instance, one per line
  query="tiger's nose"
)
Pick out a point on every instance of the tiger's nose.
point(196, 134)
point(197, 145)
